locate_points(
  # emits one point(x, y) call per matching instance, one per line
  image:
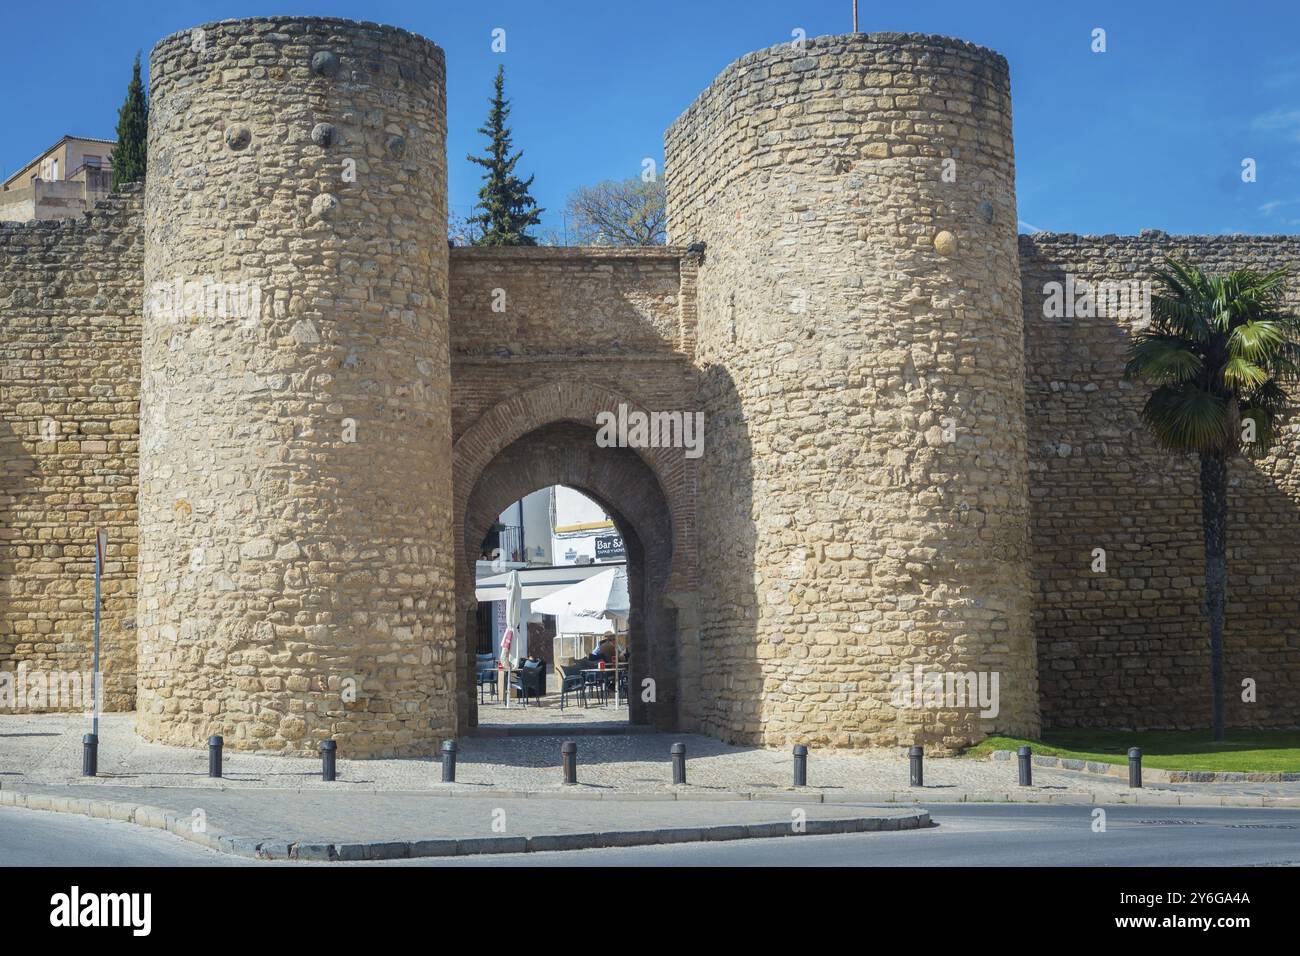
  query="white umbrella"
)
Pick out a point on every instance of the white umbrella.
point(514, 620)
point(602, 595)
point(575, 624)
point(536, 582)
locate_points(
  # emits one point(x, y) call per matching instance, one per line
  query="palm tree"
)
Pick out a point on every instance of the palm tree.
point(1218, 350)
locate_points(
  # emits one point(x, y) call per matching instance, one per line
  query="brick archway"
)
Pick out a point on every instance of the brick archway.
point(547, 436)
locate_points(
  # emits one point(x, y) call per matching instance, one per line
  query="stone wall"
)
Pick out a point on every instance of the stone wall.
point(1129, 647)
point(69, 382)
point(295, 573)
point(863, 500)
point(896, 434)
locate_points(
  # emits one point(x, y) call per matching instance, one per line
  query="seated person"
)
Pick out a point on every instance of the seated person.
point(604, 652)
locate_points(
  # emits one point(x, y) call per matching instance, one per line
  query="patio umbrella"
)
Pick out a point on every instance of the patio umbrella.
point(602, 595)
point(518, 644)
point(597, 605)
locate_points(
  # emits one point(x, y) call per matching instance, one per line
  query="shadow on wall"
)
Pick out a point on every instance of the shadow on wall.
point(732, 690)
point(19, 475)
point(1125, 644)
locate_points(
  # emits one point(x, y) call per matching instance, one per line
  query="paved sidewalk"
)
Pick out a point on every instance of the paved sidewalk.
point(321, 826)
point(46, 750)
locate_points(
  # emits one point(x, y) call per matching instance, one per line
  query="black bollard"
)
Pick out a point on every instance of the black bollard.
point(800, 765)
point(89, 755)
point(916, 774)
point(449, 761)
point(1134, 767)
point(214, 755)
point(678, 752)
point(1026, 759)
point(569, 761)
point(328, 753)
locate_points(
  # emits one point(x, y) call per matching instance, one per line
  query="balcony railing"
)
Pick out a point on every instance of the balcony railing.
point(504, 541)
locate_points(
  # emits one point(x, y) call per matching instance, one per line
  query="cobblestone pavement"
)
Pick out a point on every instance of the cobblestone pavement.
point(493, 716)
point(46, 749)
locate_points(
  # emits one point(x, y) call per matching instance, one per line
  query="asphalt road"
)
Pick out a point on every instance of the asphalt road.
point(966, 835)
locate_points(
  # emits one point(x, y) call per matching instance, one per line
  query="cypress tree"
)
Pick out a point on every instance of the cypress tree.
point(131, 153)
point(506, 208)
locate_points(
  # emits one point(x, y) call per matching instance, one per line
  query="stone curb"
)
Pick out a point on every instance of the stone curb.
point(786, 795)
point(1152, 774)
point(271, 849)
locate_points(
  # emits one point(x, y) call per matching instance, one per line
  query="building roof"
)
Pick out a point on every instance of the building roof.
point(45, 152)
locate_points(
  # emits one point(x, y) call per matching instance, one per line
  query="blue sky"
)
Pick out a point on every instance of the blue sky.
point(1150, 134)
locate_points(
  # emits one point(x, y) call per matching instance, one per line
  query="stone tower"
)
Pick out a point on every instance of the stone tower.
point(863, 507)
point(295, 569)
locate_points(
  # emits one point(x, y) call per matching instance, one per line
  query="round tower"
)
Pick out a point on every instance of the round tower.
point(295, 566)
point(863, 506)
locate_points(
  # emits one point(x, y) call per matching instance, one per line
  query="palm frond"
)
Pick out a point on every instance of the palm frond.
point(1240, 373)
point(1185, 418)
point(1217, 350)
point(1284, 362)
point(1162, 359)
point(1254, 339)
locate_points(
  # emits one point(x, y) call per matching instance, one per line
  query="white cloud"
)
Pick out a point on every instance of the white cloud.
point(1286, 122)
point(1273, 205)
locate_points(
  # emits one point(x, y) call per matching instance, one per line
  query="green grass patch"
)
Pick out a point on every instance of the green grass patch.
point(1258, 751)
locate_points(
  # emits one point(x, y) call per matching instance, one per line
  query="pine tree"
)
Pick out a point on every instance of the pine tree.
point(131, 153)
point(506, 208)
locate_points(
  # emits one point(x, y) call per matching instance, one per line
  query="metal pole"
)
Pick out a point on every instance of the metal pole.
point(679, 763)
point(916, 774)
point(800, 765)
point(449, 761)
point(1134, 767)
point(101, 542)
point(1025, 756)
point(569, 761)
point(328, 754)
point(89, 755)
point(214, 755)
point(855, 16)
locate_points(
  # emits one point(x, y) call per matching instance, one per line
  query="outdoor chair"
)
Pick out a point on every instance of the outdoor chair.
point(487, 684)
point(485, 666)
point(598, 683)
point(572, 681)
point(527, 681)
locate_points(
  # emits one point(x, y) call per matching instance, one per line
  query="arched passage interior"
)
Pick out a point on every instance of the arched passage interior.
point(621, 482)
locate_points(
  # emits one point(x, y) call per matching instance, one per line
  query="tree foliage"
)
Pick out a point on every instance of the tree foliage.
point(630, 212)
point(1218, 351)
point(505, 207)
point(130, 155)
